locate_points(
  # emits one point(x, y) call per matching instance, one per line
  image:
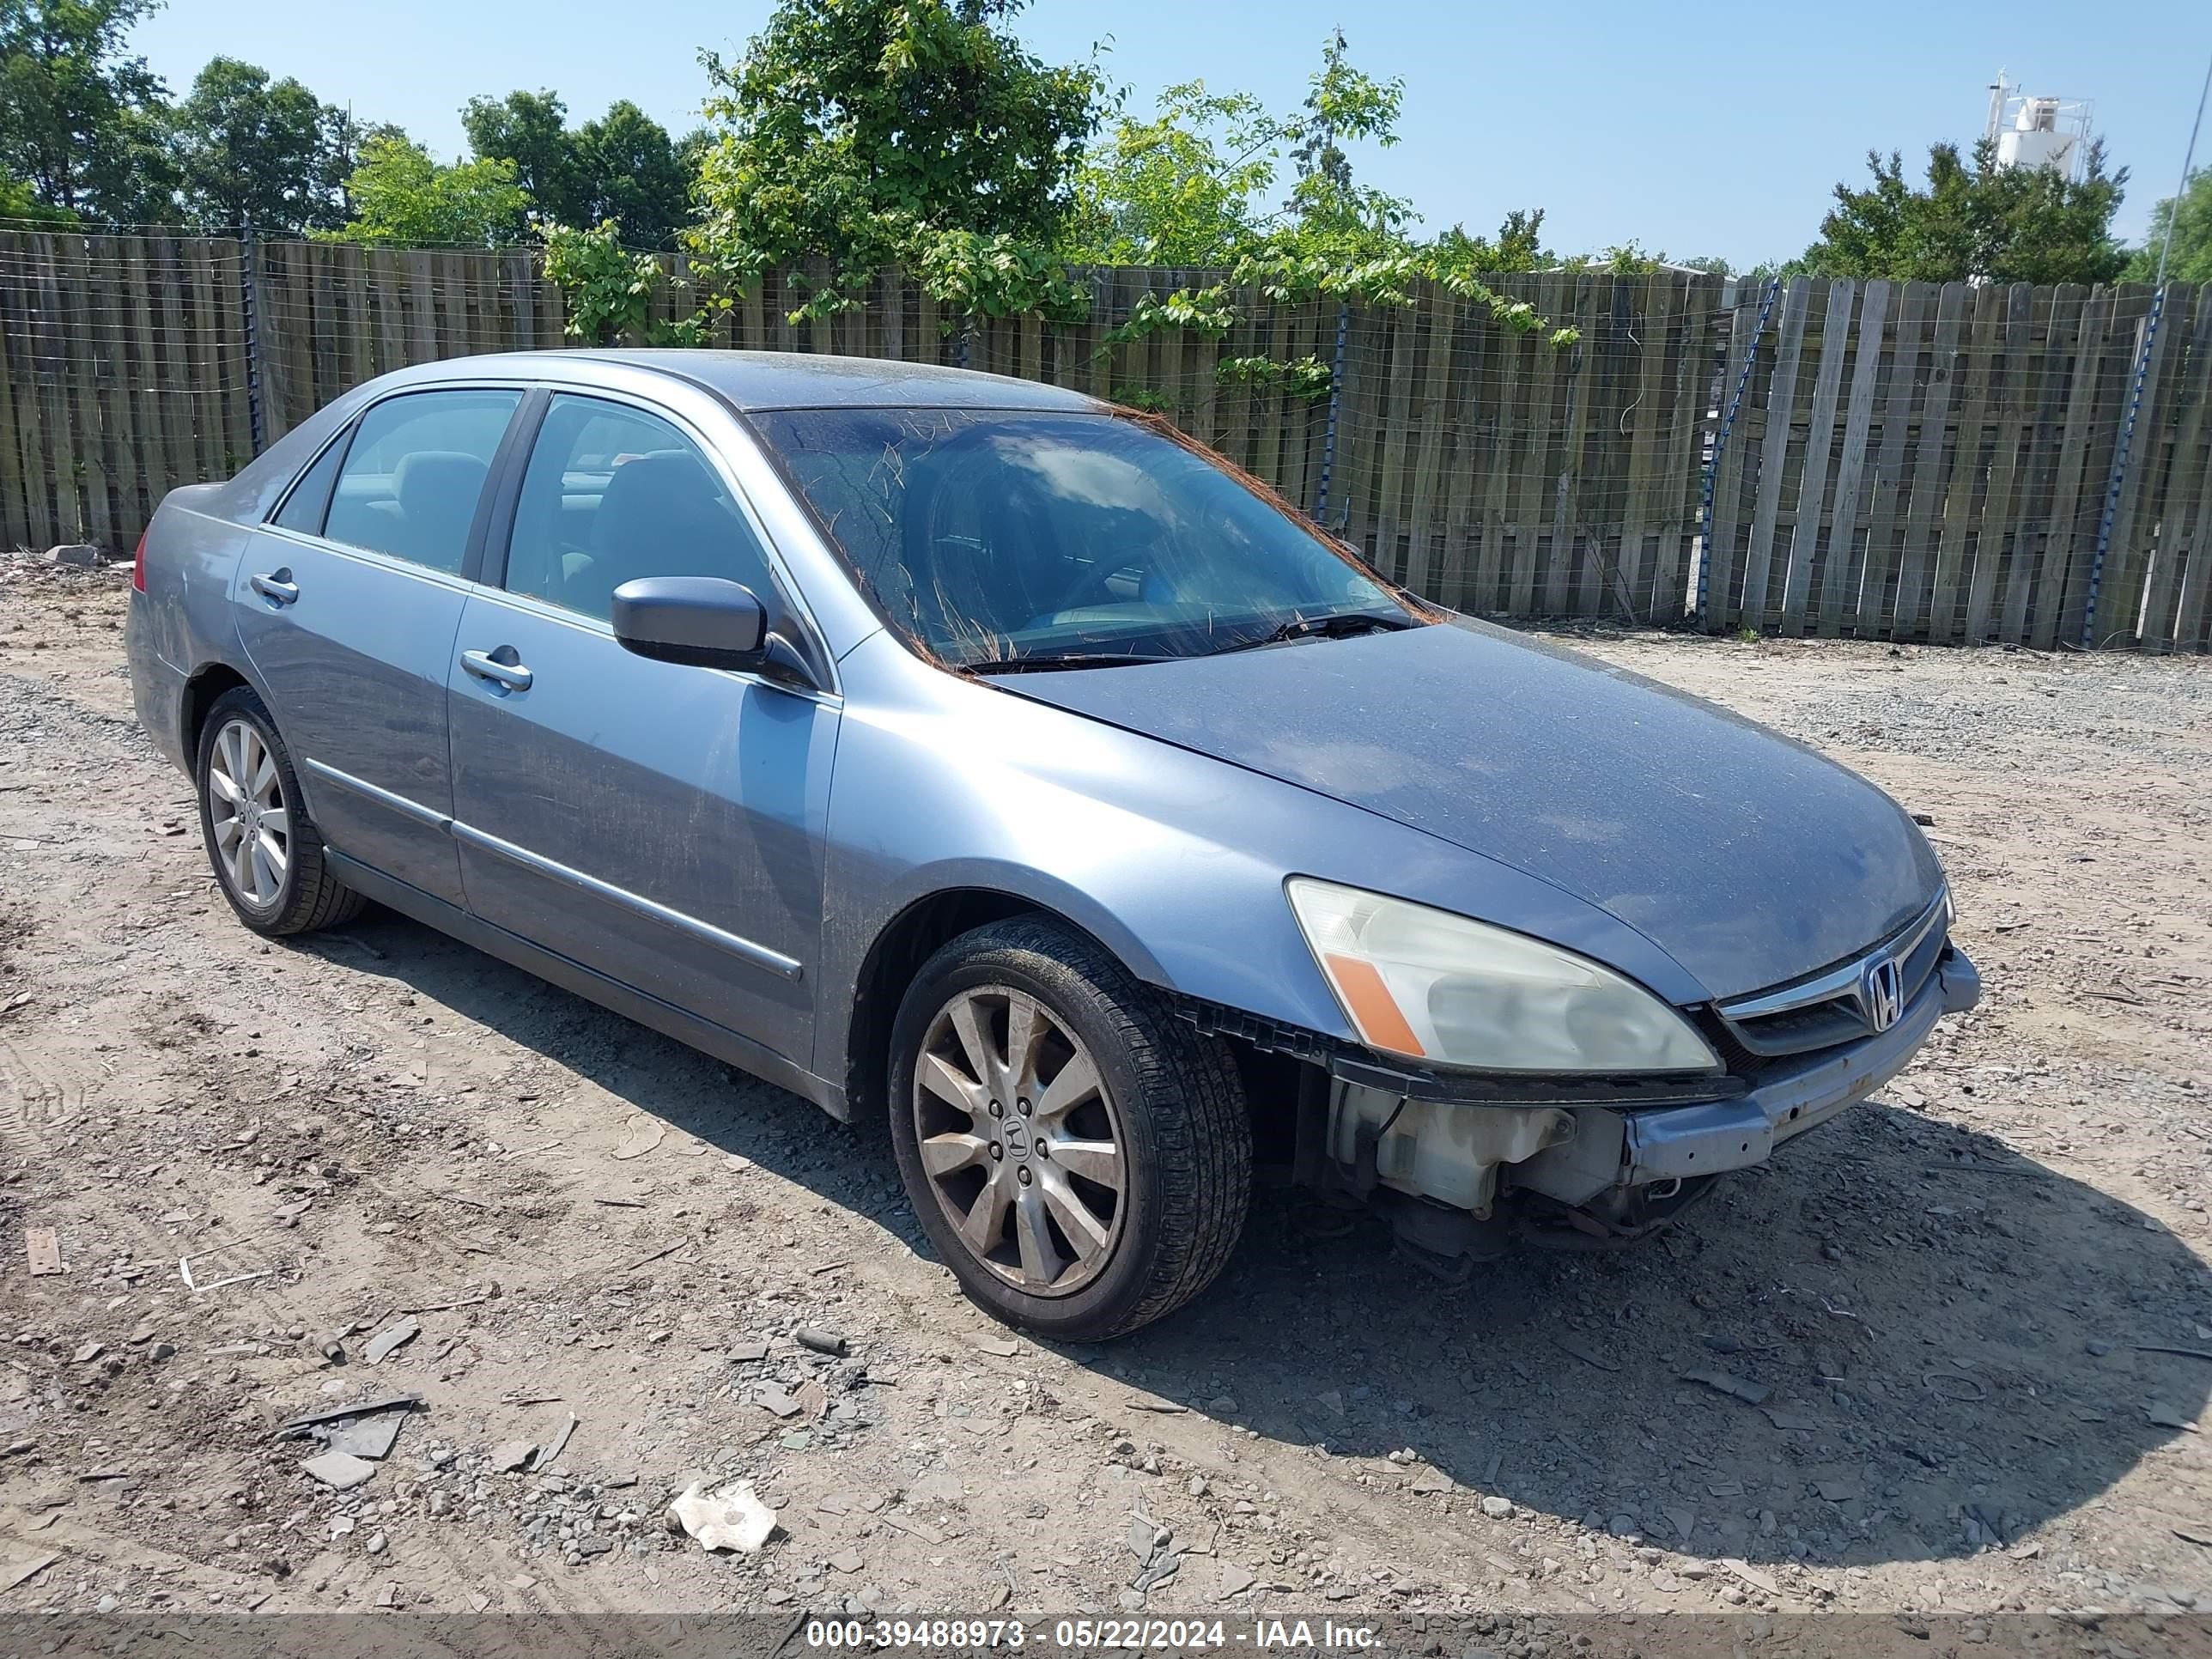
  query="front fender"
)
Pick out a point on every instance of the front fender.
point(1033, 887)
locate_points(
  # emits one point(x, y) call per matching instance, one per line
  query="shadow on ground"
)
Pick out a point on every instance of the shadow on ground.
point(1945, 1331)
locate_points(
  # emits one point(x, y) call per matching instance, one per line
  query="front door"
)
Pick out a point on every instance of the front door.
point(659, 823)
point(348, 603)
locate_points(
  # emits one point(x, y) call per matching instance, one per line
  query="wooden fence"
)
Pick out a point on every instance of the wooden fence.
point(1946, 462)
point(1890, 461)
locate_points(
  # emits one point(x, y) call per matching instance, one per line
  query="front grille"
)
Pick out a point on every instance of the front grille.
point(1832, 1007)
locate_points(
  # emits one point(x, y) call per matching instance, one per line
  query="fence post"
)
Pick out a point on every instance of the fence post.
point(249, 281)
point(1720, 443)
point(1335, 404)
point(2119, 471)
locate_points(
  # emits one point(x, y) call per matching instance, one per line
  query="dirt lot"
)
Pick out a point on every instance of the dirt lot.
point(1957, 1296)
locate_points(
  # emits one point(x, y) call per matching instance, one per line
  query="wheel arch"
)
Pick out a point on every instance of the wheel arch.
point(910, 938)
point(208, 683)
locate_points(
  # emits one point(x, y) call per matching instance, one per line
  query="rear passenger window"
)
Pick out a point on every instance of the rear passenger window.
point(612, 493)
point(415, 472)
point(303, 508)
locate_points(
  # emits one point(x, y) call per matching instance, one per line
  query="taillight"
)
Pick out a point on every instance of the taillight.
point(139, 564)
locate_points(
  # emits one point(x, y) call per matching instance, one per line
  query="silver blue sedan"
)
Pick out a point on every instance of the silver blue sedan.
point(969, 755)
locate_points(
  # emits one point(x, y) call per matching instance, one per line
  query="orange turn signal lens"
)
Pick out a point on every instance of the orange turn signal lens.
point(1369, 1001)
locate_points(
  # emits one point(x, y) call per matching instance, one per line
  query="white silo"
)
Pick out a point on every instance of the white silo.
point(2053, 133)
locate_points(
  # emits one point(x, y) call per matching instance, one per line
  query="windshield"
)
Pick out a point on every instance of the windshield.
point(992, 537)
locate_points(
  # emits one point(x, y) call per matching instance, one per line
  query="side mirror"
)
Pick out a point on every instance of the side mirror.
point(704, 621)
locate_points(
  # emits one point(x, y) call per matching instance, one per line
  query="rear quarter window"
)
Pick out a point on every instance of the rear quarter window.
point(310, 497)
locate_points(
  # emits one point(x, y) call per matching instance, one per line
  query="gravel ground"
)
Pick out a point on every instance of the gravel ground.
point(1977, 1306)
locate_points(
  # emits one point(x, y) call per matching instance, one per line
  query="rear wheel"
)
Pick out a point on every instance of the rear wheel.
point(1080, 1157)
point(268, 859)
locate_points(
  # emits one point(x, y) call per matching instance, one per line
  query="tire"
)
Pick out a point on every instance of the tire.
point(1074, 1255)
point(302, 896)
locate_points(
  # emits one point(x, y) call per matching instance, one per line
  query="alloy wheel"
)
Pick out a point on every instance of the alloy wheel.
point(249, 815)
point(1020, 1139)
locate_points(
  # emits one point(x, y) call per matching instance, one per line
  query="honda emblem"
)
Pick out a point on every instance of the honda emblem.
point(1882, 992)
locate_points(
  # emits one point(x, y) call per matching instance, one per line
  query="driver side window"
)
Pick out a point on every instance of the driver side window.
point(613, 493)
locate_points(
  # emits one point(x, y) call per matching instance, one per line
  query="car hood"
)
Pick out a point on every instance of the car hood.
point(1746, 857)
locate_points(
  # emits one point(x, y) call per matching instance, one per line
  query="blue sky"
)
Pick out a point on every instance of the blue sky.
point(1715, 129)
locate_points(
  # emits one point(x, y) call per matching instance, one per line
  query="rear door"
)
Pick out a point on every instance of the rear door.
point(659, 823)
point(347, 600)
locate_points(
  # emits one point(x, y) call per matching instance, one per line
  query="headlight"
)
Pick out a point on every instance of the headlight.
point(1441, 988)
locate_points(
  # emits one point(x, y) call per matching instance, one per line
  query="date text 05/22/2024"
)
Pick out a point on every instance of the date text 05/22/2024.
point(1167, 1635)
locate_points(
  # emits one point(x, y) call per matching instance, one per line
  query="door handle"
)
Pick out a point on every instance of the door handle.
point(277, 587)
point(507, 676)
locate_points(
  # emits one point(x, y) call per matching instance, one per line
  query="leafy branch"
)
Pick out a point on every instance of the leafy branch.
point(1306, 377)
point(1205, 311)
point(1388, 280)
point(607, 291)
point(1148, 398)
point(994, 276)
point(1284, 278)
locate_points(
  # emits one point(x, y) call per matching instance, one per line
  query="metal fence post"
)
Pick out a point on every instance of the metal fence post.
point(2119, 471)
point(249, 282)
point(1335, 405)
point(1720, 443)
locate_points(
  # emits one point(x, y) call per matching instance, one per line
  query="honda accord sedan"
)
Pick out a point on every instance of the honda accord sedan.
point(977, 758)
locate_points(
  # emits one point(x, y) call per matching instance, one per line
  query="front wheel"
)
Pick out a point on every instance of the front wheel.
point(1081, 1159)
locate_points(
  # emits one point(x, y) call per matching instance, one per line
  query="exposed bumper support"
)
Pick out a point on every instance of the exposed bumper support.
point(1437, 1143)
point(1730, 1134)
point(1634, 1148)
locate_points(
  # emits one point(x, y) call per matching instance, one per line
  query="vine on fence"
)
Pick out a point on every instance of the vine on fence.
point(607, 291)
point(609, 296)
point(1211, 311)
point(1306, 377)
point(1206, 311)
point(981, 276)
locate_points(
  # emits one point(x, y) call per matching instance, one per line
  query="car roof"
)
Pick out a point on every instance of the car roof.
point(753, 380)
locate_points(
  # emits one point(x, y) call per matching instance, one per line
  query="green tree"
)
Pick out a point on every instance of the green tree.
point(348, 140)
point(80, 118)
point(1331, 214)
point(530, 131)
point(248, 146)
point(1629, 259)
point(1973, 218)
point(609, 290)
point(134, 181)
point(850, 127)
point(1518, 246)
point(1179, 189)
point(2188, 219)
point(1182, 187)
point(401, 197)
point(18, 201)
point(1336, 237)
point(692, 149)
point(633, 175)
